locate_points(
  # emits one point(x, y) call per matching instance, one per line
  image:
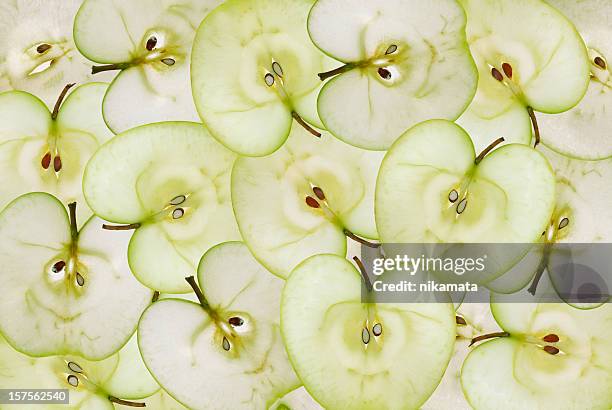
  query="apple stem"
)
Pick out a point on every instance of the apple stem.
point(60, 99)
point(360, 240)
point(540, 271)
point(194, 285)
point(488, 149)
point(488, 336)
point(328, 74)
point(109, 67)
point(364, 274)
point(155, 297)
point(304, 124)
point(125, 402)
point(534, 122)
point(74, 231)
point(127, 227)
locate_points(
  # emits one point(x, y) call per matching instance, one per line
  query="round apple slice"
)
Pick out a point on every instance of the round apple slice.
point(47, 151)
point(72, 287)
point(519, 64)
point(304, 199)
point(584, 132)
point(254, 71)
point(553, 356)
point(433, 188)
point(228, 348)
point(405, 61)
point(150, 42)
point(346, 352)
point(170, 182)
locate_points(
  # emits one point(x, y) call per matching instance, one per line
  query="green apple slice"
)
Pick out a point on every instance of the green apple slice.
point(433, 188)
point(47, 151)
point(150, 42)
point(228, 348)
point(554, 356)
point(521, 65)
point(351, 354)
point(72, 287)
point(254, 71)
point(163, 401)
point(170, 182)
point(404, 62)
point(584, 132)
point(304, 199)
point(298, 399)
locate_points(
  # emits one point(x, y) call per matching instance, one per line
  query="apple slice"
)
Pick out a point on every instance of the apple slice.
point(228, 348)
point(552, 356)
point(347, 352)
point(298, 399)
point(304, 199)
point(521, 65)
point(433, 188)
point(163, 401)
point(170, 182)
point(584, 132)
point(150, 42)
point(47, 151)
point(254, 71)
point(405, 61)
point(72, 287)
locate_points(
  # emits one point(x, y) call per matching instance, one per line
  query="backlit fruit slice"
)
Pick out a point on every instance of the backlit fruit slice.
point(37, 53)
point(170, 182)
point(555, 356)
point(351, 354)
point(254, 72)
point(304, 199)
point(298, 399)
point(90, 385)
point(405, 61)
point(433, 188)
point(47, 151)
point(520, 63)
point(65, 291)
point(163, 401)
point(228, 349)
point(150, 42)
point(584, 132)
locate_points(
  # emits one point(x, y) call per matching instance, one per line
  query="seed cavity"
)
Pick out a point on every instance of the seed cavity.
point(168, 61)
point(75, 367)
point(151, 43)
point(80, 279)
point(269, 79)
point(236, 321)
point(311, 202)
point(377, 329)
point(57, 163)
point(496, 74)
point(384, 73)
point(564, 222)
point(58, 266)
point(551, 350)
point(226, 344)
point(600, 62)
point(551, 338)
point(461, 206)
point(507, 68)
point(391, 49)
point(177, 200)
point(42, 48)
point(453, 196)
point(73, 380)
point(178, 213)
point(365, 336)
point(319, 193)
point(276, 67)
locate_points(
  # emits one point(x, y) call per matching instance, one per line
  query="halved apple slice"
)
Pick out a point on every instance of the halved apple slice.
point(47, 151)
point(150, 42)
point(304, 199)
point(405, 61)
point(521, 65)
point(351, 354)
point(552, 356)
point(170, 182)
point(298, 399)
point(433, 188)
point(227, 349)
point(254, 71)
point(72, 287)
point(162, 400)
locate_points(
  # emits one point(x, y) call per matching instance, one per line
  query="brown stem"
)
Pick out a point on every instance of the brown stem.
point(108, 67)
point(74, 231)
point(127, 227)
point(534, 122)
point(364, 274)
point(540, 271)
point(488, 149)
point(360, 240)
point(155, 297)
point(489, 336)
point(61, 97)
point(125, 402)
point(328, 74)
point(304, 124)
point(194, 285)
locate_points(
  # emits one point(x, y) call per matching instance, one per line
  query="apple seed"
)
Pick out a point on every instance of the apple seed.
point(151, 43)
point(365, 336)
point(80, 279)
point(496, 74)
point(384, 73)
point(57, 164)
point(319, 193)
point(600, 62)
point(58, 266)
point(269, 79)
point(73, 380)
point(276, 67)
point(564, 222)
point(392, 49)
point(168, 61)
point(235, 321)
point(551, 338)
point(377, 329)
point(226, 344)
point(453, 196)
point(75, 367)
point(177, 200)
point(461, 206)
point(43, 48)
point(46, 160)
point(311, 202)
point(178, 213)
point(551, 350)
point(507, 69)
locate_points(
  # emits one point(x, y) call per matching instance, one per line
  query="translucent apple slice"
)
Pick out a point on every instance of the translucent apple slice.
point(584, 132)
point(298, 399)
point(521, 64)
point(162, 400)
point(553, 356)
point(250, 82)
point(404, 62)
point(47, 151)
point(433, 188)
point(150, 42)
point(228, 348)
point(73, 287)
point(170, 182)
point(304, 199)
point(347, 352)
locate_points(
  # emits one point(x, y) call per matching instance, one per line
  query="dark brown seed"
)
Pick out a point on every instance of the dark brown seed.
point(460, 321)
point(58, 266)
point(42, 48)
point(319, 193)
point(551, 338)
point(57, 163)
point(46, 160)
point(384, 73)
point(551, 350)
point(236, 321)
point(151, 43)
point(496, 74)
point(507, 69)
point(600, 62)
point(311, 202)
